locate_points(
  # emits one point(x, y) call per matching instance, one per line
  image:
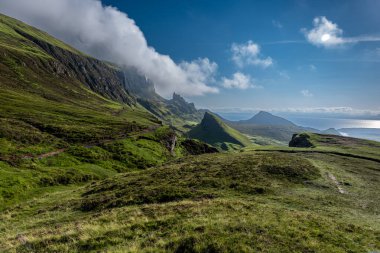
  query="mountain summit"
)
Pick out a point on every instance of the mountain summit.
point(266, 118)
point(215, 132)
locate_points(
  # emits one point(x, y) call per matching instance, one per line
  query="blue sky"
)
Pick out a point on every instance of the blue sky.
point(302, 74)
point(233, 56)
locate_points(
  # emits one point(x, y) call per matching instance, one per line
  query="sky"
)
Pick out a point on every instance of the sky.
point(229, 55)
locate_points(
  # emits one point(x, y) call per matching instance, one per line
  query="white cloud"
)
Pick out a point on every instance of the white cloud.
point(249, 54)
point(111, 35)
point(327, 34)
point(238, 81)
point(306, 93)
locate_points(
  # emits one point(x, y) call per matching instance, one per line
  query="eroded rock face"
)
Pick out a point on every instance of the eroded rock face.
point(301, 141)
point(95, 74)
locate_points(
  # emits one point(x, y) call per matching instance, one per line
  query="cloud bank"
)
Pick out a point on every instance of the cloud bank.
point(249, 54)
point(327, 34)
point(111, 35)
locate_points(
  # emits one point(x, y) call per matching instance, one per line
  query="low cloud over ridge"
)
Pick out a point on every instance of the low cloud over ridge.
point(111, 35)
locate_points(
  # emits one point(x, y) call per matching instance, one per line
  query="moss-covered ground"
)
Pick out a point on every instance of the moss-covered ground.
point(232, 202)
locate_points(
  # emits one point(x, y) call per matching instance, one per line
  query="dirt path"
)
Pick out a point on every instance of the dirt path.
point(49, 154)
point(333, 178)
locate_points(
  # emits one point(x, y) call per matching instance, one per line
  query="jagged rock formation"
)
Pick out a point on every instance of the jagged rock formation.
point(178, 105)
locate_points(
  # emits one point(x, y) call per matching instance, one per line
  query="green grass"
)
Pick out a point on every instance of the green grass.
point(214, 131)
point(20, 176)
point(9, 28)
point(233, 202)
point(332, 144)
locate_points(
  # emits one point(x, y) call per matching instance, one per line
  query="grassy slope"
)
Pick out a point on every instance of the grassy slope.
point(333, 144)
point(42, 111)
point(240, 202)
point(214, 131)
point(14, 41)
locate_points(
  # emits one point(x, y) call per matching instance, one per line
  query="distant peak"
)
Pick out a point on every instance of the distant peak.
point(266, 118)
point(263, 113)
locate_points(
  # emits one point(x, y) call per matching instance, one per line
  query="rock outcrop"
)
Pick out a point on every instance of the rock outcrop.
point(301, 141)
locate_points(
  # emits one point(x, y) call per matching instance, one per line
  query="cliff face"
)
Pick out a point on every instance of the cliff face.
point(95, 74)
point(138, 84)
point(178, 105)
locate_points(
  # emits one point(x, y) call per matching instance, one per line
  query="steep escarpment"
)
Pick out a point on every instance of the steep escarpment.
point(95, 74)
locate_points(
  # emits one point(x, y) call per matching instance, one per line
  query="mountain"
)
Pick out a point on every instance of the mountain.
point(267, 119)
point(40, 68)
point(268, 125)
point(51, 93)
point(214, 131)
point(330, 131)
point(67, 118)
point(176, 111)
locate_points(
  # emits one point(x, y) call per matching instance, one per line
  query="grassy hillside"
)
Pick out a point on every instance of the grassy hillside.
point(337, 144)
point(214, 131)
point(45, 103)
point(62, 125)
point(251, 201)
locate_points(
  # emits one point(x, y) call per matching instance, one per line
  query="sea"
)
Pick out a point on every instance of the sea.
point(324, 123)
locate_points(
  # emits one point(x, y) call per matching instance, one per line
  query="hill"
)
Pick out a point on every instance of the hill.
point(214, 131)
point(283, 200)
